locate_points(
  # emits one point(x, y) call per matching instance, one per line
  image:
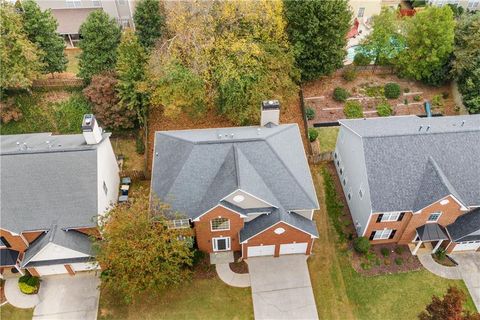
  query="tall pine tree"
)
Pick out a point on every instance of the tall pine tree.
point(317, 30)
point(149, 18)
point(99, 42)
point(41, 29)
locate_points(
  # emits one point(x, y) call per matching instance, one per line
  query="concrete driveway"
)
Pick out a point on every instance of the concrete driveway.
point(65, 297)
point(281, 288)
point(469, 269)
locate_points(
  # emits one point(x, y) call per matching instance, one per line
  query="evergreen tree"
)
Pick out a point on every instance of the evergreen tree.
point(131, 61)
point(317, 30)
point(41, 28)
point(19, 58)
point(99, 42)
point(149, 18)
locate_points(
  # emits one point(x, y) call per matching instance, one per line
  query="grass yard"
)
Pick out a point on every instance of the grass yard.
point(8, 312)
point(127, 147)
point(72, 56)
point(199, 299)
point(342, 293)
point(57, 111)
point(327, 137)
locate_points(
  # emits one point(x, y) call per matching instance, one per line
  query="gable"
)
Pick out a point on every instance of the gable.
point(291, 234)
point(53, 251)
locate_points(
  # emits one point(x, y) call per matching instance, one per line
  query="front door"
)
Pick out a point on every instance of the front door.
point(221, 244)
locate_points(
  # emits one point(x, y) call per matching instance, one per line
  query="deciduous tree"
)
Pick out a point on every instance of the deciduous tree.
point(131, 62)
point(448, 308)
point(149, 18)
point(19, 57)
point(317, 30)
point(41, 28)
point(102, 95)
point(99, 42)
point(138, 252)
point(429, 39)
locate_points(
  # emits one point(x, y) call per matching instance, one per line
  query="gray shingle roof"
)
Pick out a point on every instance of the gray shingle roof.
point(194, 169)
point(432, 232)
point(465, 225)
point(69, 239)
point(41, 183)
point(407, 167)
point(265, 221)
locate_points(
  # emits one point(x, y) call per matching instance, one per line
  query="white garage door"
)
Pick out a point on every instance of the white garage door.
point(257, 251)
point(53, 269)
point(292, 248)
point(469, 245)
point(84, 266)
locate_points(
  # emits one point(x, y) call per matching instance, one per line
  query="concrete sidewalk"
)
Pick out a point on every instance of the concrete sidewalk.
point(241, 280)
point(18, 299)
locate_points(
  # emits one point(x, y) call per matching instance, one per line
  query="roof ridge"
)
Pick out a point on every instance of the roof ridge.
point(444, 179)
point(235, 161)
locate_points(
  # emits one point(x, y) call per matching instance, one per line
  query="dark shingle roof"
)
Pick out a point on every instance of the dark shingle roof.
point(465, 225)
point(408, 167)
point(44, 182)
point(195, 169)
point(8, 257)
point(432, 232)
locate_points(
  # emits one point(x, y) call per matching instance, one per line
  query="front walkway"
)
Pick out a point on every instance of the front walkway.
point(468, 269)
point(241, 280)
point(18, 299)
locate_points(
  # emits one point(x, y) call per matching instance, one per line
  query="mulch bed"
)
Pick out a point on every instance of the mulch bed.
point(374, 263)
point(324, 88)
point(2, 291)
point(203, 269)
point(239, 267)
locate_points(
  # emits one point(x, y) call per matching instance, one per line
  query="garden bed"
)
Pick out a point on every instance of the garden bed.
point(367, 89)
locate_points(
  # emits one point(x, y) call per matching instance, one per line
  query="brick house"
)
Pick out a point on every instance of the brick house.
point(52, 188)
point(245, 189)
point(413, 181)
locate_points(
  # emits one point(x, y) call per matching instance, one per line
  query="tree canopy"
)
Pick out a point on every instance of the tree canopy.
point(149, 18)
point(448, 308)
point(131, 63)
point(99, 42)
point(317, 30)
point(19, 57)
point(429, 39)
point(138, 252)
point(41, 29)
point(385, 42)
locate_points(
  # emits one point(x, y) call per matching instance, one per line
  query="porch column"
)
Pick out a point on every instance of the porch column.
point(19, 270)
point(417, 247)
point(437, 246)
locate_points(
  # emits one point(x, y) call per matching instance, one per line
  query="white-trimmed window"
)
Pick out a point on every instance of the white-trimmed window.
point(433, 217)
point(219, 224)
point(96, 3)
point(73, 3)
point(473, 4)
point(382, 234)
point(390, 216)
point(361, 12)
point(221, 244)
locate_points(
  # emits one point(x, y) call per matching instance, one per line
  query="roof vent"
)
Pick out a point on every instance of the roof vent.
point(428, 128)
point(463, 122)
point(420, 129)
point(270, 112)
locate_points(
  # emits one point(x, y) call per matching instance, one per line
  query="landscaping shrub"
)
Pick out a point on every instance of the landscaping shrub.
point(445, 94)
point(385, 252)
point(361, 245)
point(365, 266)
point(398, 261)
point(361, 59)
point(405, 101)
point(28, 284)
point(384, 109)
point(312, 134)
point(310, 113)
point(9, 111)
point(353, 109)
point(406, 89)
point(441, 254)
point(139, 145)
point(392, 90)
point(417, 98)
point(399, 250)
point(349, 74)
point(340, 94)
point(437, 100)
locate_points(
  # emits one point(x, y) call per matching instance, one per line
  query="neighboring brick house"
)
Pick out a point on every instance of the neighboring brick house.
point(52, 189)
point(407, 178)
point(243, 189)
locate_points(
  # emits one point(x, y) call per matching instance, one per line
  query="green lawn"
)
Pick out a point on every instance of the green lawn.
point(327, 137)
point(199, 299)
point(52, 111)
point(72, 56)
point(8, 312)
point(342, 293)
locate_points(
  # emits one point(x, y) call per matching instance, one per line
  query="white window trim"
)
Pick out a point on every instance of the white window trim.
point(434, 221)
point(215, 230)
point(214, 243)
point(390, 216)
point(384, 234)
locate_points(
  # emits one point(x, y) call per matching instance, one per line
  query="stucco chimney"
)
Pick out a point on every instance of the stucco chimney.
point(270, 113)
point(90, 129)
